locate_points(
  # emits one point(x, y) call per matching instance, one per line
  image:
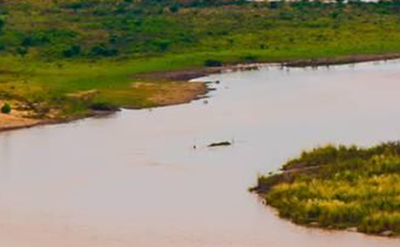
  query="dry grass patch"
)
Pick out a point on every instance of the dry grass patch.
point(171, 93)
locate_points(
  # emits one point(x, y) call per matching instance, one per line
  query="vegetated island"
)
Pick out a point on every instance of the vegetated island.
point(350, 188)
point(68, 59)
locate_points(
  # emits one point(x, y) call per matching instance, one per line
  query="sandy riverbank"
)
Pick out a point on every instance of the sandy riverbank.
point(160, 94)
point(10, 122)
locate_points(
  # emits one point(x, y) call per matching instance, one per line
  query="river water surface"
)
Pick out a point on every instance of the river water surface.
point(134, 179)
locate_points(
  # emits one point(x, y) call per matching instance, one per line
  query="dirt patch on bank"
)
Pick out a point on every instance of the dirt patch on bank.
point(19, 117)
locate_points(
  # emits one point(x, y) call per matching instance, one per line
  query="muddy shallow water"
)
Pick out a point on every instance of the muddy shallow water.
point(135, 179)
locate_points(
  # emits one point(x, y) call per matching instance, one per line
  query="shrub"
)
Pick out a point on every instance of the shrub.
point(72, 51)
point(162, 45)
point(174, 8)
point(103, 50)
point(249, 58)
point(22, 50)
point(6, 109)
point(1, 24)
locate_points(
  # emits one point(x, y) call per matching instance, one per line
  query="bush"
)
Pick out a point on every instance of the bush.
point(162, 45)
point(1, 24)
point(103, 50)
point(174, 8)
point(73, 51)
point(6, 109)
point(22, 51)
point(249, 58)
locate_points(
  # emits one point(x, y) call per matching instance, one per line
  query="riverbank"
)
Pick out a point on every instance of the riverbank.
point(346, 188)
point(342, 60)
point(61, 67)
point(8, 122)
point(159, 94)
point(188, 74)
point(163, 88)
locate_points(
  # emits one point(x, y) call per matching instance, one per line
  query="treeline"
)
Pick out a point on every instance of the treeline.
point(103, 28)
point(184, 3)
point(138, 19)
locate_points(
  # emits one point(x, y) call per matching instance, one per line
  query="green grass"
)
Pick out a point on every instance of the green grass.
point(339, 187)
point(52, 48)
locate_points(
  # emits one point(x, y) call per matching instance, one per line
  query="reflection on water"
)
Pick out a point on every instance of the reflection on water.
point(134, 179)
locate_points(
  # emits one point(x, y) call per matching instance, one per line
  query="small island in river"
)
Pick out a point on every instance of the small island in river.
point(342, 187)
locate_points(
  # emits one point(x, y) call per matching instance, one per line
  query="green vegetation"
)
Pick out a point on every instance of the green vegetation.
point(6, 109)
point(340, 187)
point(52, 49)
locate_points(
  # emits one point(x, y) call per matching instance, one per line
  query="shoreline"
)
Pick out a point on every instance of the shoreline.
point(198, 91)
point(194, 73)
point(184, 76)
point(341, 60)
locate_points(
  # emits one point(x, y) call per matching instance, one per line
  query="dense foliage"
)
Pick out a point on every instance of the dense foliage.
point(340, 187)
point(97, 28)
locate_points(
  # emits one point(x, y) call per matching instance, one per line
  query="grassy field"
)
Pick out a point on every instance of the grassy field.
point(50, 50)
point(339, 187)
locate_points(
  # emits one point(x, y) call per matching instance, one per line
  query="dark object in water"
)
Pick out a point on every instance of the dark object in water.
point(219, 144)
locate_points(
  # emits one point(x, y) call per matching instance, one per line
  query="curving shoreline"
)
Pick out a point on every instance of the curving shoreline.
point(139, 149)
point(178, 91)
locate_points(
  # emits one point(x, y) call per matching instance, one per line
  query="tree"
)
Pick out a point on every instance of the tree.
point(103, 50)
point(174, 8)
point(22, 50)
point(72, 51)
point(340, 4)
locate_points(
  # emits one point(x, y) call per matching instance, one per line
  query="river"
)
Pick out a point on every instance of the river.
point(135, 179)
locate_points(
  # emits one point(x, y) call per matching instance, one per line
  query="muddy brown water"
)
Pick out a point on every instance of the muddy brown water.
point(134, 179)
